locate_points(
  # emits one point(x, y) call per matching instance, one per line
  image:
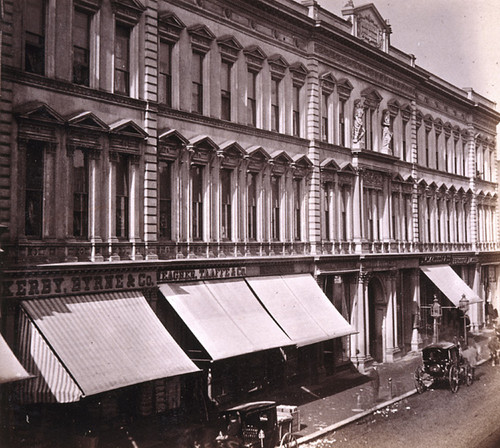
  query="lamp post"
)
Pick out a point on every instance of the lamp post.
point(436, 312)
point(463, 304)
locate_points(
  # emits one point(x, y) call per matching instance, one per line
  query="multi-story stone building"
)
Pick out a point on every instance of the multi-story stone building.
point(184, 184)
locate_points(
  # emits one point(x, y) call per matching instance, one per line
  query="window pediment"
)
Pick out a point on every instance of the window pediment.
point(128, 11)
point(87, 120)
point(229, 47)
point(344, 88)
point(299, 72)
point(201, 37)
point(170, 26)
point(255, 57)
point(277, 65)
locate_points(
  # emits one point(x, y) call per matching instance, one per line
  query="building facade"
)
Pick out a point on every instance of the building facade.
point(156, 152)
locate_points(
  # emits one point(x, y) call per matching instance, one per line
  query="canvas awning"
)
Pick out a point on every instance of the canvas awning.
point(450, 283)
point(84, 345)
point(300, 307)
point(10, 368)
point(225, 317)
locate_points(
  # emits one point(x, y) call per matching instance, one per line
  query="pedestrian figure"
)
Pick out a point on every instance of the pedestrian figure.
point(471, 355)
point(375, 382)
point(494, 346)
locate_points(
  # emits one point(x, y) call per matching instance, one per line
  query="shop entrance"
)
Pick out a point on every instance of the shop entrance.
point(377, 313)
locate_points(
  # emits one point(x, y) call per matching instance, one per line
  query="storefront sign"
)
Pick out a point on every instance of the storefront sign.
point(72, 284)
point(448, 259)
point(175, 275)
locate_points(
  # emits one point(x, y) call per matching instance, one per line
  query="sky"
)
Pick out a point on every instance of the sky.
point(457, 40)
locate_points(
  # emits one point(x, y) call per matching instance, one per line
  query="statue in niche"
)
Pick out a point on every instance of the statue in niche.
point(358, 128)
point(386, 133)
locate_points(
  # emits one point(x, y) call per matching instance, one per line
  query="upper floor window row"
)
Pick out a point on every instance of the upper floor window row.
point(86, 32)
point(87, 160)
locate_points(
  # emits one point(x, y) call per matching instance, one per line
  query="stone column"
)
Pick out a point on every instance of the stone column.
point(359, 319)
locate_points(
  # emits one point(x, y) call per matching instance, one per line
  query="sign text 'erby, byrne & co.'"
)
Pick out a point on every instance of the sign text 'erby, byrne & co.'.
point(72, 284)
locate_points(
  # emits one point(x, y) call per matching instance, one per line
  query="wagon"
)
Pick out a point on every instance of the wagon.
point(253, 425)
point(442, 363)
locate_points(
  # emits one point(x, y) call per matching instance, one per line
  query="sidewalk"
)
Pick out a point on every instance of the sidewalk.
point(327, 412)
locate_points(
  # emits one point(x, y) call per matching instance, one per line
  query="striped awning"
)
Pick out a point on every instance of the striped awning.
point(300, 308)
point(225, 317)
point(10, 368)
point(85, 345)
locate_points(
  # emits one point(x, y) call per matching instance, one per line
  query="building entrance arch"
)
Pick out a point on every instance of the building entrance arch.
point(377, 308)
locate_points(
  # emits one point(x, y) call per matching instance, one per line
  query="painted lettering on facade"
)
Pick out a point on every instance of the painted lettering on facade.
point(200, 274)
point(72, 284)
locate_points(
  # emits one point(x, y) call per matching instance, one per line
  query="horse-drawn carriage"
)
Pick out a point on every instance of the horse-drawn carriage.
point(443, 363)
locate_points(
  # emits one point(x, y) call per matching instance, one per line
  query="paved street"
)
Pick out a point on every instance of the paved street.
point(437, 418)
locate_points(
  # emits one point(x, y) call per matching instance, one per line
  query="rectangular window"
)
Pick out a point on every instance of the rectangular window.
point(324, 117)
point(165, 200)
point(343, 212)
point(369, 128)
point(296, 111)
point(455, 157)
point(34, 44)
point(395, 210)
point(81, 48)
point(342, 122)
point(464, 173)
point(251, 98)
point(370, 214)
point(405, 125)
point(122, 59)
point(252, 205)
point(446, 157)
point(437, 151)
point(275, 208)
point(326, 192)
point(275, 105)
point(197, 83)
point(197, 201)
point(122, 197)
point(429, 219)
point(448, 222)
point(225, 90)
point(165, 74)
point(226, 192)
point(426, 147)
point(406, 223)
point(297, 210)
point(80, 194)
point(34, 189)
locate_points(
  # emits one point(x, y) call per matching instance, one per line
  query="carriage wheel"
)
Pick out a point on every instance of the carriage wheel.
point(454, 378)
point(419, 383)
point(288, 441)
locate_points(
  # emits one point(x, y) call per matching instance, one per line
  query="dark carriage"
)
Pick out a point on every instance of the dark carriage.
point(252, 425)
point(443, 363)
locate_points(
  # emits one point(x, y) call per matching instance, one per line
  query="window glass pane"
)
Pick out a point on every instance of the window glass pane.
point(197, 201)
point(34, 46)
point(226, 203)
point(122, 43)
point(80, 194)
point(252, 206)
point(165, 81)
point(81, 45)
point(122, 197)
point(165, 184)
point(275, 212)
point(34, 189)
point(197, 81)
point(35, 17)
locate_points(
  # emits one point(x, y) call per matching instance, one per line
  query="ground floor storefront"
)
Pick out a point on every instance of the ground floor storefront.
point(110, 345)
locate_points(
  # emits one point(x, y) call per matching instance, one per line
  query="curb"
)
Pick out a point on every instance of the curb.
point(335, 426)
point(331, 428)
